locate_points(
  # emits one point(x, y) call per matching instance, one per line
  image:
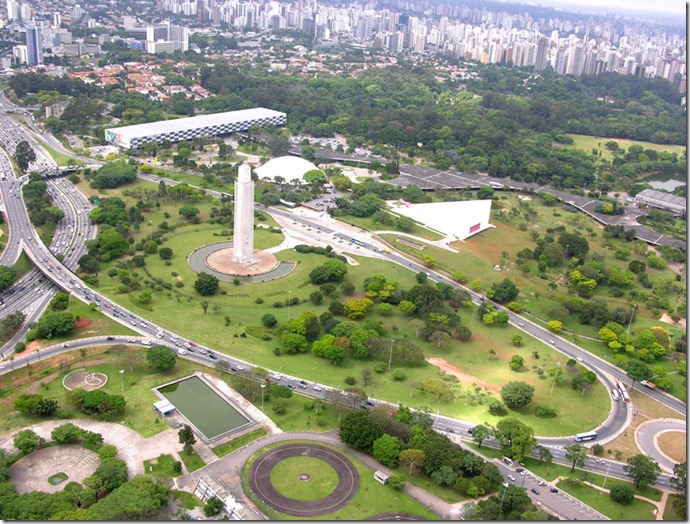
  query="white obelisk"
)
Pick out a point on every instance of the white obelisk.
point(243, 241)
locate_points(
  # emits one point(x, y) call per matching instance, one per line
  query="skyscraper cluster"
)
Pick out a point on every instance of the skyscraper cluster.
point(582, 47)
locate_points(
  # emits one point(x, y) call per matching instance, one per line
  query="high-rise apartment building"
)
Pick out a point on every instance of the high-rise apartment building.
point(34, 45)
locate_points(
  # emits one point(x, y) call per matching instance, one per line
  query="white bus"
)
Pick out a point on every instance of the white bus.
point(582, 437)
point(623, 391)
point(615, 395)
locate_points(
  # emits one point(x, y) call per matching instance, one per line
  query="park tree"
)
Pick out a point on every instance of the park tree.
point(333, 270)
point(573, 245)
point(269, 320)
point(406, 307)
point(679, 482)
point(413, 459)
point(206, 284)
point(643, 470)
point(112, 472)
point(165, 253)
point(359, 431)
point(161, 358)
point(516, 340)
point(356, 309)
point(189, 212)
point(7, 276)
point(292, 343)
point(515, 497)
point(55, 324)
point(545, 454)
point(480, 433)
point(67, 434)
point(27, 441)
point(213, 507)
point(516, 363)
point(27, 403)
point(622, 493)
point(139, 499)
point(637, 371)
point(47, 407)
point(504, 292)
point(577, 453)
point(24, 154)
point(60, 302)
point(555, 326)
point(515, 438)
point(517, 394)
point(386, 450)
point(187, 438)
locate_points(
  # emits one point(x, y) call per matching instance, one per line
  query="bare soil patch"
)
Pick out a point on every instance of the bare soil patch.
point(668, 320)
point(83, 323)
point(461, 375)
point(672, 443)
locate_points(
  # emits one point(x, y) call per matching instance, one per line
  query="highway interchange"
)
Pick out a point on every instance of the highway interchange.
point(35, 290)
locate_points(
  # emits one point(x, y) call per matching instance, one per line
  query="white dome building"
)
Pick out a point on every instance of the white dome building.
point(287, 167)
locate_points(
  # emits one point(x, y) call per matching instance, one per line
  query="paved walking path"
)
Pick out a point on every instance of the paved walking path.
point(132, 447)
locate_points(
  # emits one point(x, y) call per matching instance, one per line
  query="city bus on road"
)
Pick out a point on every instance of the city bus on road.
point(582, 437)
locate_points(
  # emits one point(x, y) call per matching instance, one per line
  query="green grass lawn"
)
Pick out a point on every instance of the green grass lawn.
point(60, 158)
point(424, 482)
point(297, 418)
point(285, 477)
point(600, 501)
point(237, 443)
point(192, 461)
point(163, 465)
point(239, 303)
point(372, 497)
point(22, 266)
point(186, 500)
point(587, 143)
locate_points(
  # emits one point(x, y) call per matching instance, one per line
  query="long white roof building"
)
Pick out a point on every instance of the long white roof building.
point(193, 127)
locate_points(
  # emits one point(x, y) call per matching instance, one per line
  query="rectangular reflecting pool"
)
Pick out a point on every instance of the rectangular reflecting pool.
point(210, 413)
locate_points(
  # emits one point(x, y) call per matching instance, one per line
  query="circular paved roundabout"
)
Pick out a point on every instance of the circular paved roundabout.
point(345, 490)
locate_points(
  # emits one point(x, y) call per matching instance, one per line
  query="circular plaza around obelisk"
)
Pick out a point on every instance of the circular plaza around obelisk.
point(216, 259)
point(222, 261)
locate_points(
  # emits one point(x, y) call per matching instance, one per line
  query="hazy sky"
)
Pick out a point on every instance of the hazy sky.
point(649, 6)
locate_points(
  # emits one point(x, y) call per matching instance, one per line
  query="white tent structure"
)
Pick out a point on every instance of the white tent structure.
point(288, 167)
point(454, 219)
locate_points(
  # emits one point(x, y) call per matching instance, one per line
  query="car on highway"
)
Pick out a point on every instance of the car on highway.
point(510, 478)
point(318, 388)
point(535, 491)
point(554, 490)
point(240, 367)
point(524, 473)
point(182, 351)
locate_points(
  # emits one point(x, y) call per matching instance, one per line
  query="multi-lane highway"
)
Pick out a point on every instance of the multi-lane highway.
point(37, 287)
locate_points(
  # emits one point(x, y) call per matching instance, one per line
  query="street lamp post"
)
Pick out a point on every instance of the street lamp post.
point(263, 386)
point(632, 314)
point(122, 381)
point(554, 377)
point(606, 476)
point(390, 356)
